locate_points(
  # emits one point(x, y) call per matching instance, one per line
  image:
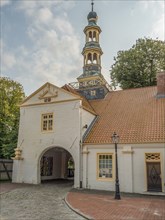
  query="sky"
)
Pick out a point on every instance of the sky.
point(42, 40)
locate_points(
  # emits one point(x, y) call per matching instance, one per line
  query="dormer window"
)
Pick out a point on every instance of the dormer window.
point(85, 83)
point(93, 92)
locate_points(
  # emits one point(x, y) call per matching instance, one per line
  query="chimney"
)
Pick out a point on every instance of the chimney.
point(161, 85)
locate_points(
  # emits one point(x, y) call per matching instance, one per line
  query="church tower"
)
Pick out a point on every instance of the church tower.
point(92, 84)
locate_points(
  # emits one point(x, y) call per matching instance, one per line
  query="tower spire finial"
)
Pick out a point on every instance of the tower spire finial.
point(92, 3)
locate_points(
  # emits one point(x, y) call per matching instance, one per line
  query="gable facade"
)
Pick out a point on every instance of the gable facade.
point(67, 116)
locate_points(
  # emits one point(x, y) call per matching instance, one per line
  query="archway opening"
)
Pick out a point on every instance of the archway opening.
point(57, 166)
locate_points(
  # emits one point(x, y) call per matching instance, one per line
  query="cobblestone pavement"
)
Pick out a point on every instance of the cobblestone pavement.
point(37, 202)
point(103, 206)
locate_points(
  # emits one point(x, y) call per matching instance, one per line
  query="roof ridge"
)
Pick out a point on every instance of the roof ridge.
point(146, 87)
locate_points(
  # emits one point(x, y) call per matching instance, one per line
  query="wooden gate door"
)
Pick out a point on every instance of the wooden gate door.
point(154, 182)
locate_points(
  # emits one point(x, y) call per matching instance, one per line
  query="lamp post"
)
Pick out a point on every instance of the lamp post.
point(115, 140)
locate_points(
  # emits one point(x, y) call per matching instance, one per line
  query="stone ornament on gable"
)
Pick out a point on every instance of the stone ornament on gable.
point(48, 94)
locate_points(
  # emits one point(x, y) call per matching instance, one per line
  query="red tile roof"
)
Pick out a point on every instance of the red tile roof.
point(136, 115)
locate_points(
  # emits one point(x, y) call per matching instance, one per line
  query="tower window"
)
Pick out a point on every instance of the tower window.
point(95, 58)
point(89, 60)
point(94, 36)
point(90, 36)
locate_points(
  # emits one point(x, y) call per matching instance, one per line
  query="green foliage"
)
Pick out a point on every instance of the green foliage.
point(70, 163)
point(138, 66)
point(11, 95)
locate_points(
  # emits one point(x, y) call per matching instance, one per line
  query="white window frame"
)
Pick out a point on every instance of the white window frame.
point(47, 120)
point(106, 166)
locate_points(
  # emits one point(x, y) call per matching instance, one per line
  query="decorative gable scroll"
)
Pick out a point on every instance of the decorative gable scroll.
point(48, 94)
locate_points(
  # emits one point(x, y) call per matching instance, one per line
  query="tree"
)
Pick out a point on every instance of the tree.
point(138, 66)
point(11, 95)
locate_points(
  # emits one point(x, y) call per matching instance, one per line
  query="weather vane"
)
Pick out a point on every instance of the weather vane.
point(92, 4)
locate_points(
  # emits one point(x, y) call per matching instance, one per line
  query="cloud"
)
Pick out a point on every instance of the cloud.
point(54, 53)
point(4, 2)
point(8, 59)
point(158, 28)
point(148, 5)
point(156, 8)
point(30, 7)
point(45, 15)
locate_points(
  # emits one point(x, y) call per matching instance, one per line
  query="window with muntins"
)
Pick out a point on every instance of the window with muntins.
point(47, 122)
point(105, 166)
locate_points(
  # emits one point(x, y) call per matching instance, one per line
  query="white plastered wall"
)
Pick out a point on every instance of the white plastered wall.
point(68, 129)
point(33, 142)
point(131, 166)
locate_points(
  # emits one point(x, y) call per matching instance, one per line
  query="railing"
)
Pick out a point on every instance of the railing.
point(6, 169)
point(77, 85)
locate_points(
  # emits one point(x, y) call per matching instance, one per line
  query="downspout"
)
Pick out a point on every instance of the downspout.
point(163, 170)
point(87, 152)
point(81, 147)
point(87, 168)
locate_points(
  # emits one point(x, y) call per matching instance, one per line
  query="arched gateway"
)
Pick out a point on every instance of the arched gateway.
point(55, 163)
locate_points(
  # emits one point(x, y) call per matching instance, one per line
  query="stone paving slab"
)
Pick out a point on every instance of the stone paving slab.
point(36, 202)
point(104, 207)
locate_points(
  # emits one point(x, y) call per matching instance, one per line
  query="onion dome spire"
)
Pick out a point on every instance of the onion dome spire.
point(92, 3)
point(92, 16)
point(92, 84)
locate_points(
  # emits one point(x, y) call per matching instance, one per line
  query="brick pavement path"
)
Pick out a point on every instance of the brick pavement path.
point(104, 207)
point(8, 186)
point(35, 202)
